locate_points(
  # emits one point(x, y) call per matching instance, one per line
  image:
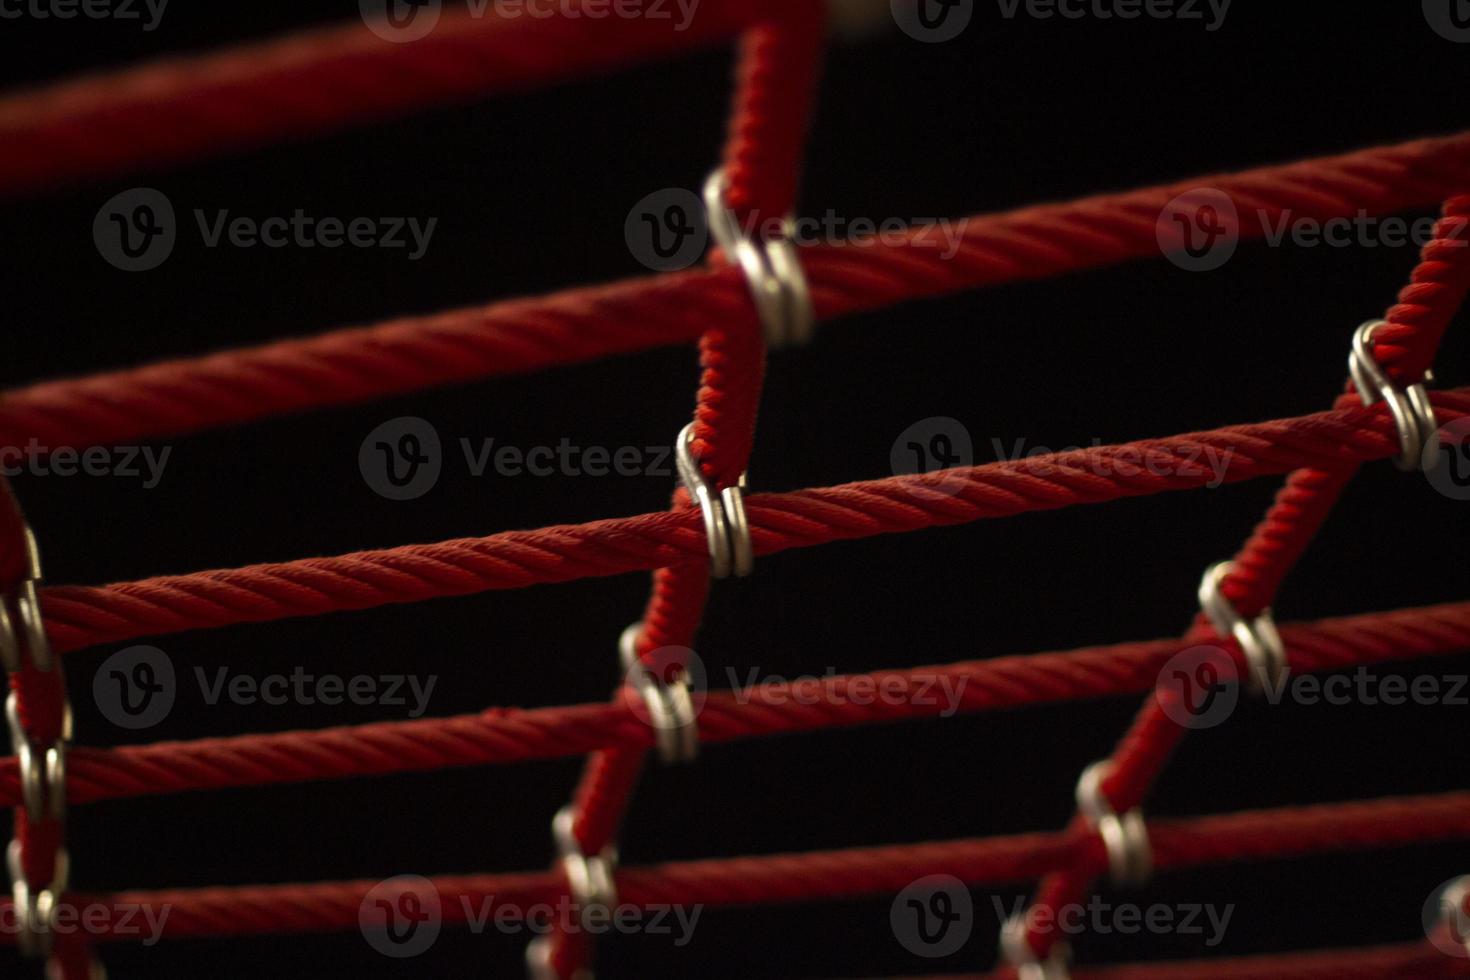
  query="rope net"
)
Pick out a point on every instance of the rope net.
point(186, 108)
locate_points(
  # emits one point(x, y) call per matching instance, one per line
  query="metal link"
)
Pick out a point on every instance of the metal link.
point(669, 703)
point(41, 761)
point(725, 525)
point(778, 284)
point(1265, 652)
point(1018, 954)
point(1412, 412)
point(35, 908)
point(1130, 854)
point(589, 876)
point(538, 962)
point(1453, 913)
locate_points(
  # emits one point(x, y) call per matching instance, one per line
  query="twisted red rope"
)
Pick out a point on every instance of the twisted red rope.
point(80, 616)
point(408, 354)
point(1416, 325)
point(316, 81)
point(507, 735)
point(826, 875)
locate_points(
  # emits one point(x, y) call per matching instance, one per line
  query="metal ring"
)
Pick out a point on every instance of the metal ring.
point(1130, 854)
point(670, 705)
point(1019, 955)
point(1452, 911)
point(773, 270)
point(1413, 414)
point(590, 877)
point(35, 908)
point(730, 546)
point(1259, 639)
point(538, 962)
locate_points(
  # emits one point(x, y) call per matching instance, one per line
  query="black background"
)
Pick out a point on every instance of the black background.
point(531, 192)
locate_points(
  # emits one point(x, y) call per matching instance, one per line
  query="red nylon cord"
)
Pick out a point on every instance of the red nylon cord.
point(1417, 323)
point(316, 81)
point(508, 735)
point(408, 354)
point(81, 616)
point(841, 874)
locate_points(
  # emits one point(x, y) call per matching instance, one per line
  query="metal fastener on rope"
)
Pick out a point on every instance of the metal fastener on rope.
point(35, 909)
point(589, 876)
point(669, 703)
point(1453, 913)
point(1019, 955)
point(538, 962)
point(1130, 855)
point(41, 761)
point(725, 525)
point(1412, 412)
point(29, 643)
point(1265, 653)
point(783, 297)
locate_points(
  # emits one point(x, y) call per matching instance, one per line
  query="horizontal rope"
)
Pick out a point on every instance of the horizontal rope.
point(509, 735)
point(412, 353)
point(311, 82)
point(827, 875)
point(79, 616)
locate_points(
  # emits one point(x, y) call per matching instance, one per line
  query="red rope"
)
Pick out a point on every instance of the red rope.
point(408, 354)
point(80, 616)
point(508, 735)
point(827, 875)
point(316, 81)
point(1436, 291)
